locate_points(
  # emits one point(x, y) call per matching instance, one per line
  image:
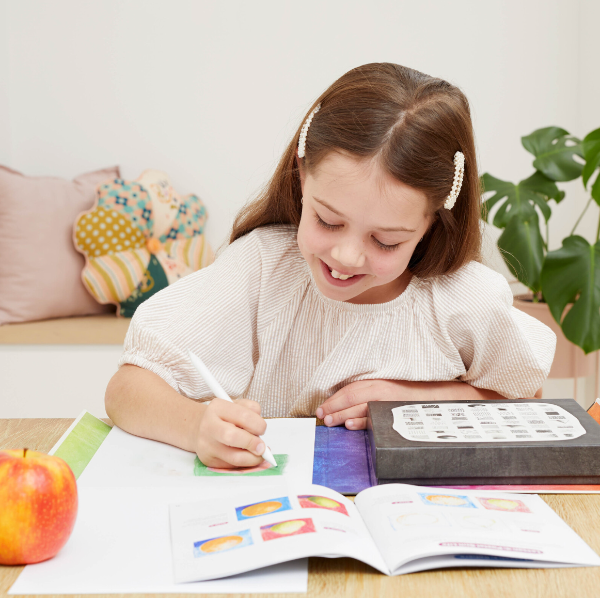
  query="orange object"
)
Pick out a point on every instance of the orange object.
point(153, 245)
point(219, 544)
point(594, 410)
point(38, 506)
point(262, 508)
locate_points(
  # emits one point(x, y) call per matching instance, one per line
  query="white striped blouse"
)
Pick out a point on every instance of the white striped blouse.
point(262, 327)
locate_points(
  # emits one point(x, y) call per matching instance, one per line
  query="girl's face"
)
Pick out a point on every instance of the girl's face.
point(358, 220)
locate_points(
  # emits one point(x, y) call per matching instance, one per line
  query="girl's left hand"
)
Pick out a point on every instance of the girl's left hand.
point(349, 404)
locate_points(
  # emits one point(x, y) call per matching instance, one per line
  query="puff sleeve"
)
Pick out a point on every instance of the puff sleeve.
point(211, 312)
point(501, 348)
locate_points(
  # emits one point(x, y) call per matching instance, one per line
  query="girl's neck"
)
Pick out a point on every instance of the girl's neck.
point(384, 293)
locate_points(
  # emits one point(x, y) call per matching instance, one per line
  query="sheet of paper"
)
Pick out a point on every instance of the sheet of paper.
point(241, 532)
point(127, 460)
point(486, 422)
point(121, 544)
point(121, 538)
point(409, 522)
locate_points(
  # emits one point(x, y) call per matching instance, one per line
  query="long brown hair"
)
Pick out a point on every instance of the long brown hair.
point(412, 124)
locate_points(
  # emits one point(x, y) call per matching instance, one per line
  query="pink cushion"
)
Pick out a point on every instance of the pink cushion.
point(40, 270)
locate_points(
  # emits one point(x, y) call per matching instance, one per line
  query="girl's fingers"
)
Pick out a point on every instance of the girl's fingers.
point(358, 423)
point(231, 436)
point(339, 417)
point(237, 457)
point(225, 457)
point(239, 415)
point(252, 405)
point(347, 397)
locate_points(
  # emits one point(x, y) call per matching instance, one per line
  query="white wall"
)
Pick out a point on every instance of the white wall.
point(4, 116)
point(211, 91)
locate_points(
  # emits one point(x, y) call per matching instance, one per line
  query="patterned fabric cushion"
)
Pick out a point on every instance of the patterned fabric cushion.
point(140, 237)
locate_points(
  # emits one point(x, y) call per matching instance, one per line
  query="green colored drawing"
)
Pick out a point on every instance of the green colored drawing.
point(202, 470)
point(83, 441)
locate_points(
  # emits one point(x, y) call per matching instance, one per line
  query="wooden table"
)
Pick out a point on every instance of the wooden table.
point(336, 578)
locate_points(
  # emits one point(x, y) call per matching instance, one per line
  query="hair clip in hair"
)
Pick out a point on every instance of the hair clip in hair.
point(459, 171)
point(304, 132)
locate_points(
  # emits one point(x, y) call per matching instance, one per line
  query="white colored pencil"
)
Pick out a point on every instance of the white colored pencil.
point(221, 394)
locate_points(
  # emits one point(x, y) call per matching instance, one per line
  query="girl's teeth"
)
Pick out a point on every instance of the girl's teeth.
point(336, 274)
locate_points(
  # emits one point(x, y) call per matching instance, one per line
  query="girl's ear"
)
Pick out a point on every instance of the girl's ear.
point(301, 171)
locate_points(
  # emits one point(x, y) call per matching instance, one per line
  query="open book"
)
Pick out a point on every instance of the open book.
point(395, 528)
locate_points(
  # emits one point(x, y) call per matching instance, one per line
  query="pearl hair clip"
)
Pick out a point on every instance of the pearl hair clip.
point(304, 132)
point(459, 171)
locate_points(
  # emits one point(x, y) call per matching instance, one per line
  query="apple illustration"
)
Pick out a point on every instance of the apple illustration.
point(38, 498)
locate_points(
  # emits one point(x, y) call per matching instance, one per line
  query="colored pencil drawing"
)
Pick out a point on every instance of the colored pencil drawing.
point(307, 501)
point(285, 529)
point(265, 507)
point(223, 543)
point(504, 504)
point(480, 522)
point(263, 469)
point(417, 519)
point(447, 500)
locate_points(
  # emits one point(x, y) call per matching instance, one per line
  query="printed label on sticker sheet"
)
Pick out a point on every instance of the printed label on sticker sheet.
point(486, 422)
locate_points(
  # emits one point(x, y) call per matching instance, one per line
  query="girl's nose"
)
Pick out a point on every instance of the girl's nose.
point(349, 255)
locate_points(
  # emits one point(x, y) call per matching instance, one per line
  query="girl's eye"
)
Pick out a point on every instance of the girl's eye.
point(336, 226)
point(325, 225)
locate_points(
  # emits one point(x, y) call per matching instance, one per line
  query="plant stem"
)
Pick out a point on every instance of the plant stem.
point(587, 205)
point(598, 231)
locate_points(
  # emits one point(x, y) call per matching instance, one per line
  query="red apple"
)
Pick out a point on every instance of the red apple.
point(38, 506)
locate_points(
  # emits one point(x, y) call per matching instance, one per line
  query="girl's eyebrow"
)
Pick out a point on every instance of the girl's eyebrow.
point(400, 229)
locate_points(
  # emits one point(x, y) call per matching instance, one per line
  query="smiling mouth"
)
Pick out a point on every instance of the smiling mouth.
point(339, 275)
point(334, 275)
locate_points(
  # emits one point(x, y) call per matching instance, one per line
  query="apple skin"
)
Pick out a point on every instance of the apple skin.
point(38, 494)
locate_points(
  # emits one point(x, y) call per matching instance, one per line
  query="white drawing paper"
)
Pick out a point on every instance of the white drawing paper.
point(121, 541)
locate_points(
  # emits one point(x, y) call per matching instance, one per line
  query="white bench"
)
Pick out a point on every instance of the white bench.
point(57, 368)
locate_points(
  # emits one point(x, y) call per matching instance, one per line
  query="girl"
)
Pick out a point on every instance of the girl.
point(354, 277)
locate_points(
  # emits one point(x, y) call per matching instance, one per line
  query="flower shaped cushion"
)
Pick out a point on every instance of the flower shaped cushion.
point(140, 237)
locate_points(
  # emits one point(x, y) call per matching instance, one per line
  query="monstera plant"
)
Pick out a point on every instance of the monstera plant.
point(571, 274)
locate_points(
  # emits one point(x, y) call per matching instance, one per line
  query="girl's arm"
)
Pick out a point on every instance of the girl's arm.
point(222, 434)
point(349, 405)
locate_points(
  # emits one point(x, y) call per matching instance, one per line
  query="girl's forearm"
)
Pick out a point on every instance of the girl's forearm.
point(142, 403)
point(455, 390)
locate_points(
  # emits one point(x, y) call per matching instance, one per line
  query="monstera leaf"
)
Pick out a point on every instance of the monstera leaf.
point(522, 247)
point(571, 274)
point(591, 153)
point(554, 149)
point(536, 190)
point(521, 242)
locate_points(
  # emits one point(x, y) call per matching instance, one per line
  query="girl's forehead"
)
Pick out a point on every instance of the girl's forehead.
point(344, 180)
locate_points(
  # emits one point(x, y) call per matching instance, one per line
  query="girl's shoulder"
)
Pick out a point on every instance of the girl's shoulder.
point(276, 244)
point(472, 288)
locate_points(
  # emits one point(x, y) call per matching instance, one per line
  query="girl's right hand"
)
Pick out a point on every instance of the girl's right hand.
point(227, 434)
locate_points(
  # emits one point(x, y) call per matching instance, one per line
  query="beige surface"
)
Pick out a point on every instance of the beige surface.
point(88, 330)
point(332, 578)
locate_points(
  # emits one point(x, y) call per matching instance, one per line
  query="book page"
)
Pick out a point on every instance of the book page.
point(246, 531)
point(413, 522)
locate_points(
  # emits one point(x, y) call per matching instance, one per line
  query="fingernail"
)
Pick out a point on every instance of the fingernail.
point(328, 419)
point(320, 413)
point(260, 449)
point(349, 423)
